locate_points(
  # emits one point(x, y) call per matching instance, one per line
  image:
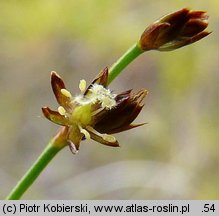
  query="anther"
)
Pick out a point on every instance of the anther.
point(61, 110)
point(109, 138)
point(66, 93)
point(82, 86)
point(106, 137)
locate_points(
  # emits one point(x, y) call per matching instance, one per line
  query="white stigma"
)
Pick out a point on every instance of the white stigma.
point(82, 86)
point(66, 93)
point(98, 94)
point(61, 110)
point(108, 102)
point(103, 95)
point(97, 89)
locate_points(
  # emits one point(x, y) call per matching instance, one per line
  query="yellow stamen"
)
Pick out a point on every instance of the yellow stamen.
point(82, 85)
point(85, 132)
point(61, 110)
point(66, 93)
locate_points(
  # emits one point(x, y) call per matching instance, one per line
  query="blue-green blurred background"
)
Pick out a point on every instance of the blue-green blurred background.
point(175, 156)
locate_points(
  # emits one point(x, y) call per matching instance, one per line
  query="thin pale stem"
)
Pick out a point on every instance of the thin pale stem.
point(27, 180)
point(131, 54)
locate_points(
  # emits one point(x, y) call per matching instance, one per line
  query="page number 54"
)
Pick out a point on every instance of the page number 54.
point(208, 208)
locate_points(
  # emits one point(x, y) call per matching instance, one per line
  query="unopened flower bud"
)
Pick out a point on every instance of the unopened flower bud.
point(175, 30)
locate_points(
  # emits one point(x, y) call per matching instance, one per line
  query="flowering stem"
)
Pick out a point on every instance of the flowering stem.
point(173, 30)
point(59, 142)
point(131, 54)
point(46, 156)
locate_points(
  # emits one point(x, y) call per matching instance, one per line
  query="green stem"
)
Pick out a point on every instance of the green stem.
point(131, 54)
point(46, 156)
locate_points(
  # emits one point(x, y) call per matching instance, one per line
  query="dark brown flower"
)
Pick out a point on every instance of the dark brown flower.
point(96, 112)
point(175, 30)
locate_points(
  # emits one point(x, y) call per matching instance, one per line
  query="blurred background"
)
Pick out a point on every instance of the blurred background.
point(174, 156)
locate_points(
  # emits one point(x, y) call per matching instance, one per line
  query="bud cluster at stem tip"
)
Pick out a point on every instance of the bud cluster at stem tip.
point(175, 30)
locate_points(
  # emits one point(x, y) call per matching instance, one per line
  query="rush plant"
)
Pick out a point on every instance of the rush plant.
point(96, 112)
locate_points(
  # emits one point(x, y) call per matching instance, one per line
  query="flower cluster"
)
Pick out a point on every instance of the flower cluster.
point(95, 113)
